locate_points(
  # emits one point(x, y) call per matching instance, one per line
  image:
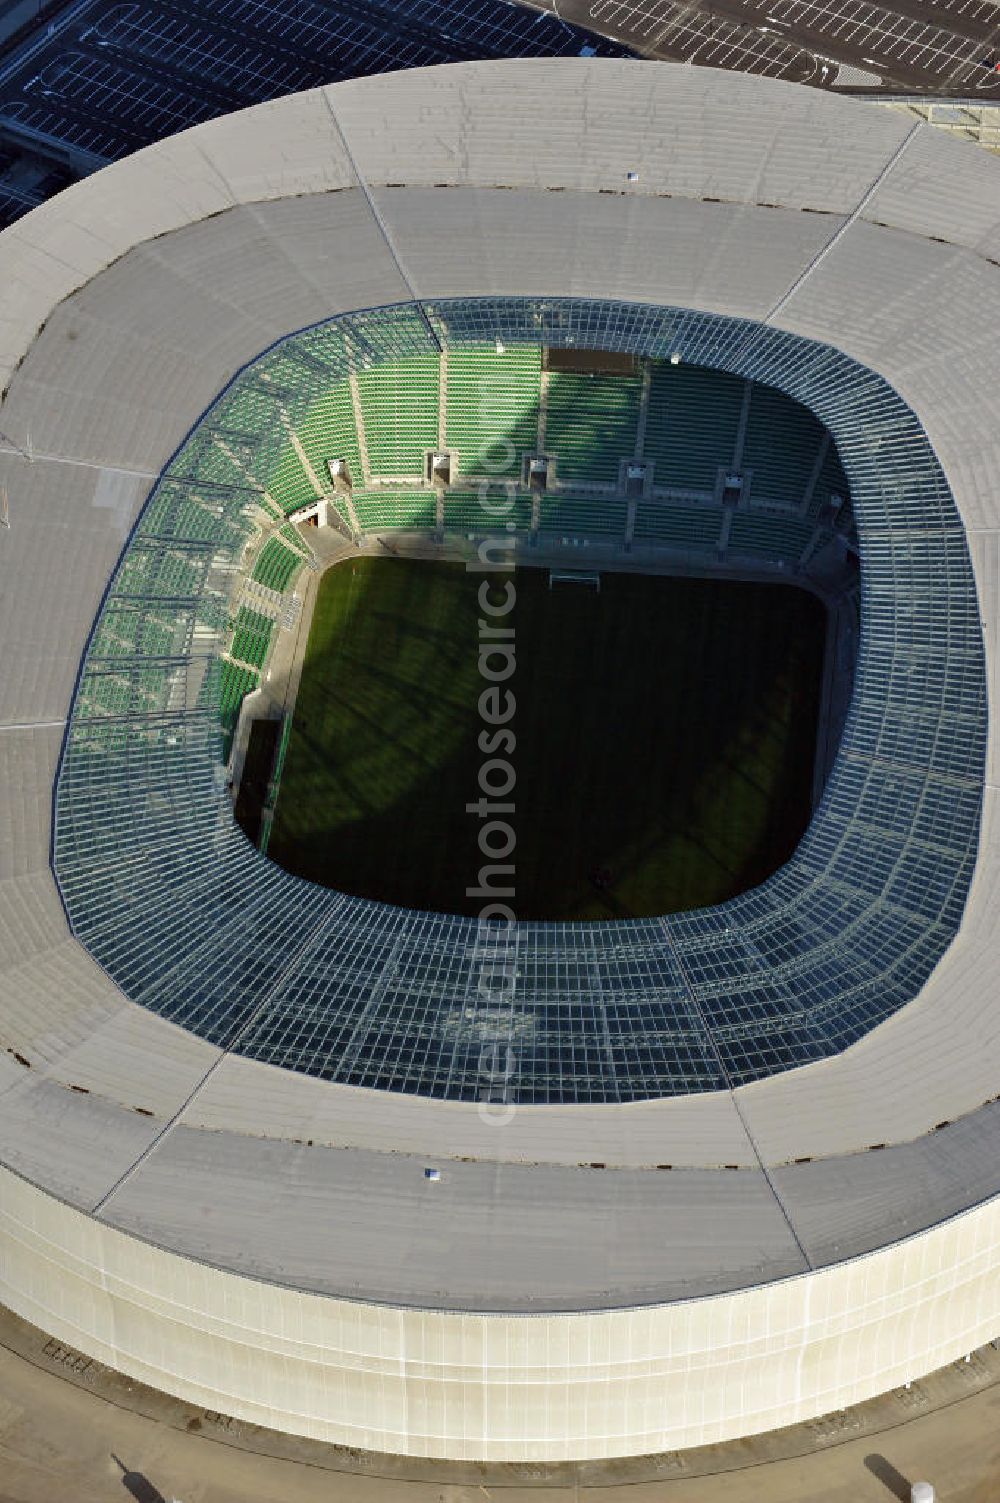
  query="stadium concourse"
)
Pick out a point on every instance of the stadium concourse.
point(619, 1270)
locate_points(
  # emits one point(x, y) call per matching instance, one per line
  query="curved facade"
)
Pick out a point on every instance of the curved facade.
point(757, 1250)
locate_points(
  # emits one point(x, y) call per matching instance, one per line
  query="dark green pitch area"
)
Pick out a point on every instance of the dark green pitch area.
point(665, 739)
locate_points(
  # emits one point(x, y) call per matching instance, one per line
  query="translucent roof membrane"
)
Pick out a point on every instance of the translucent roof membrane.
point(191, 921)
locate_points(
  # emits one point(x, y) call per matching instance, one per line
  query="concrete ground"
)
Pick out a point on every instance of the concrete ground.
point(71, 1431)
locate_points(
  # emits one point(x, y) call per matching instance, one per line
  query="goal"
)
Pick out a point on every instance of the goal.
point(575, 576)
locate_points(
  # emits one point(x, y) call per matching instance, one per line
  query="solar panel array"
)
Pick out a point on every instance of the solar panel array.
point(191, 921)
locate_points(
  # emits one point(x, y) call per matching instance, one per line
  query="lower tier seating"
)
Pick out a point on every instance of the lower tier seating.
point(277, 565)
point(688, 527)
point(251, 636)
point(402, 508)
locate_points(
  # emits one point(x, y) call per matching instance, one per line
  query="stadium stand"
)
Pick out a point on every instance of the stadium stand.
point(399, 407)
point(251, 637)
point(676, 526)
point(277, 565)
point(127, 692)
point(493, 399)
point(831, 481)
point(339, 503)
point(231, 684)
point(464, 510)
point(395, 508)
point(289, 486)
point(698, 420)
point(591, 424)
point(158, 635)
point(781, 447)
point(248, 409)
point(191, 519)
point(213, 468)
point(293, 540)
point(773, 537)
point(129, 631)
point(568, 513)
point(328, 431)
point(692, 426)
point(149, 570)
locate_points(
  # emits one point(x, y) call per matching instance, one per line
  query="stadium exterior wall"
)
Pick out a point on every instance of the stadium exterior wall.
point(724, 161)
point(496, 1387)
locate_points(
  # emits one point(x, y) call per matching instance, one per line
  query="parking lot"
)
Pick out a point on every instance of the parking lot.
point(944, 47)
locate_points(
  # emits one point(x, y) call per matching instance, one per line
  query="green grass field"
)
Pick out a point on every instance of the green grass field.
point(665, 738)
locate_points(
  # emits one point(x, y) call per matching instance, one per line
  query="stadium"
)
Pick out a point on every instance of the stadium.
point(276, 1147)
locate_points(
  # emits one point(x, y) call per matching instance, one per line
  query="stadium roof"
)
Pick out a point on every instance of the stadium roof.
point(125, 305)
point(192, 922)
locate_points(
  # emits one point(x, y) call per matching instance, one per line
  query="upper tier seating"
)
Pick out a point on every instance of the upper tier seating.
point(493, 407)
point(831, 481)
point(327, 431)
point(399, 408)
point(782, 445)
point(693, 422)
point(155, 570)
point(592, 423)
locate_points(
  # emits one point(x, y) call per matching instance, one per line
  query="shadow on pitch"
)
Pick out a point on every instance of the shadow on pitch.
point(886, 1473)
point(140, 1487)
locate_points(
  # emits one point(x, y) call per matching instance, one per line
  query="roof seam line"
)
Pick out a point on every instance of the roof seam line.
point(799, 281)
point(696, 1006)
point(32, 456)
point(30, 725)
point(224, 1052)
point(383, 227)
point(849, 222)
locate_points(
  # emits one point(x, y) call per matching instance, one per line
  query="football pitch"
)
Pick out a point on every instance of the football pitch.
point(665, 739)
